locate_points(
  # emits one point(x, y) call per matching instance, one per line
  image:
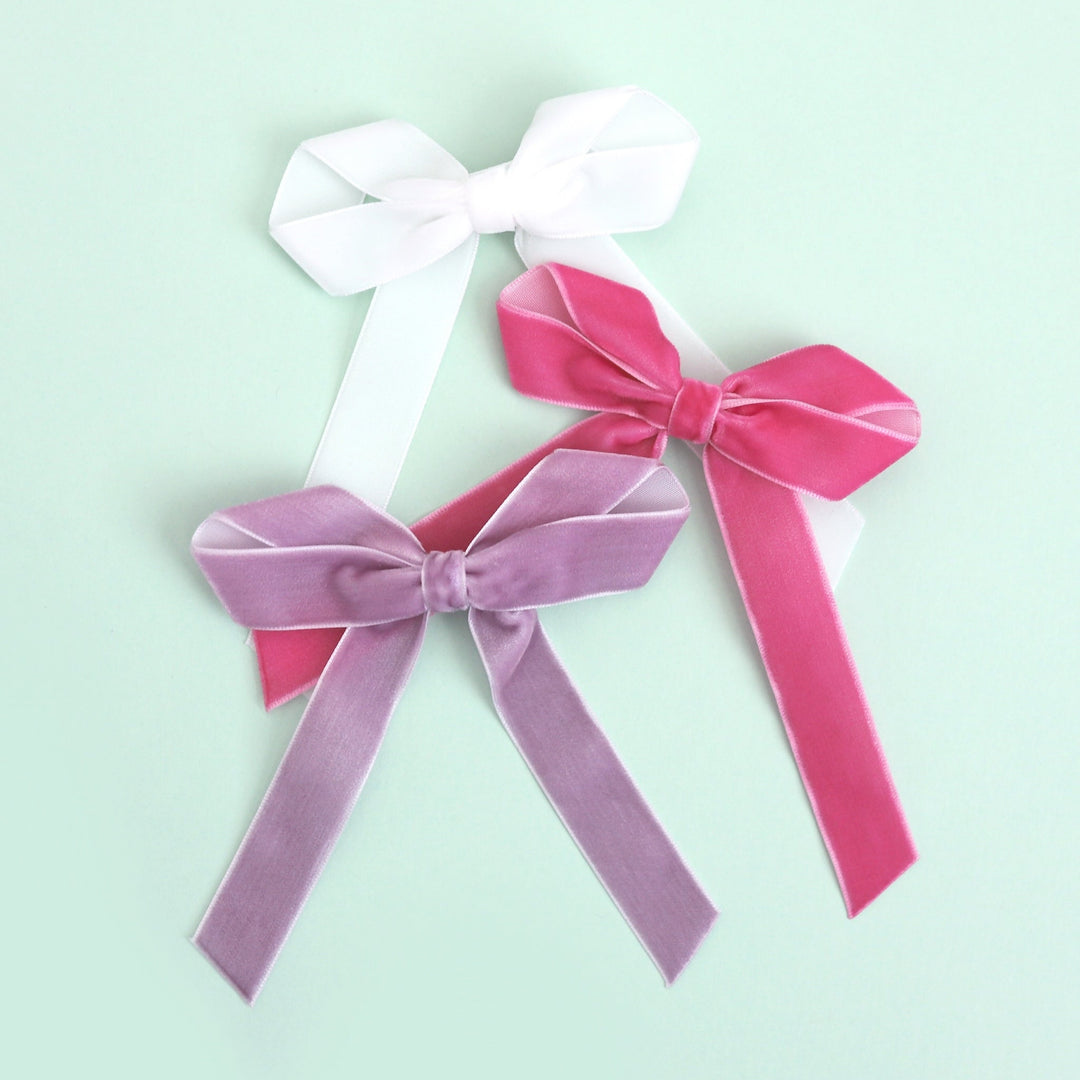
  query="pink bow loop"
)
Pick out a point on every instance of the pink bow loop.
point(815, 419)
point(603, 343)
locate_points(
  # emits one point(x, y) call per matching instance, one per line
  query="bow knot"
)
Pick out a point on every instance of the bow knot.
point(442, 579)
point(489, 200)
point(694, 411)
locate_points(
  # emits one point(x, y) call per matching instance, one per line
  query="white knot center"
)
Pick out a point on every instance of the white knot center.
point(488, 200)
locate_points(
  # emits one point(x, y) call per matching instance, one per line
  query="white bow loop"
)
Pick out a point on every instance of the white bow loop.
point(589, 164)
point(321, 217)
point(606, 161)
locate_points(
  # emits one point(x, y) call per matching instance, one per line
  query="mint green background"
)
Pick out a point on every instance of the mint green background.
point(902, 182)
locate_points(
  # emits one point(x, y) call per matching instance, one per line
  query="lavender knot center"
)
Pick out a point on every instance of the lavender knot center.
point(694, 411)
point(442, 577)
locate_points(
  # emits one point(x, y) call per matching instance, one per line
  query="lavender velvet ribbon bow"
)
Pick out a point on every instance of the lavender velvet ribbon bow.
point(580, 524)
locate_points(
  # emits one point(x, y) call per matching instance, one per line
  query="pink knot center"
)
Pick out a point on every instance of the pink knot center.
point(442, 578)
point(694, 411)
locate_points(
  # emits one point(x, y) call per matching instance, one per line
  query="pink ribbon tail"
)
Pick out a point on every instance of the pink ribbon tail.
point(806, 654)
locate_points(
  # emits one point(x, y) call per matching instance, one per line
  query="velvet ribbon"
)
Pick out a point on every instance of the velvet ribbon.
point(578, 524)
point(382, 206)
point(814, 421)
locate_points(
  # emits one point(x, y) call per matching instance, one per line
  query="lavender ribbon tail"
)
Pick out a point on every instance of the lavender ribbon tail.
point(591, 791)
point(580, 524)
point(308, 802)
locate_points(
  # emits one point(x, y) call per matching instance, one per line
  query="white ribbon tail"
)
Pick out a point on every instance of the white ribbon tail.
point(389, 377)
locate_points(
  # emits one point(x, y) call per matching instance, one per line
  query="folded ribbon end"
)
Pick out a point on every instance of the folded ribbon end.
point(247, 990)
point(675, 964)
point(291, 661)
point(862, 892)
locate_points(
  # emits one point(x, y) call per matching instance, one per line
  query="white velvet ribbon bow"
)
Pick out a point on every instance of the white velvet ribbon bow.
point(383, 206)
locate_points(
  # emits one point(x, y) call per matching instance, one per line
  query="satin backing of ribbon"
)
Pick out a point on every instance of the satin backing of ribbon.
point(579, 524)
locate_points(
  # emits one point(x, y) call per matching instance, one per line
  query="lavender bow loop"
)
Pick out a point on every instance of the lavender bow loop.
point(581, 523)
point(317, 557)
point(570, 531)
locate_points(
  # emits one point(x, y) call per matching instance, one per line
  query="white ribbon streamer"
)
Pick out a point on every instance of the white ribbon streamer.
point(383, 206)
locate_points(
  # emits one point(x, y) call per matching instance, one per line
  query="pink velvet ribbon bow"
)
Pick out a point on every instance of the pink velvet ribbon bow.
point(578, 525)
point(812, 420)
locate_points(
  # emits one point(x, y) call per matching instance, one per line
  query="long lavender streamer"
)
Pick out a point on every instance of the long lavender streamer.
point(580, 524)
